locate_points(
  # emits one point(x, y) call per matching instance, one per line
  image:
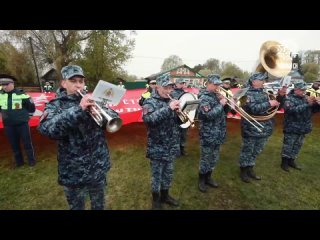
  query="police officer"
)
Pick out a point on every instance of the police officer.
point(253, 141)
point(228, 94)
point(16, 107)
point(150, 86)
point(177, 92)
point(212, 130)
point(47, 88)
point(298, 110)
point(83, 154)
point(163, 140)
point(314, 91)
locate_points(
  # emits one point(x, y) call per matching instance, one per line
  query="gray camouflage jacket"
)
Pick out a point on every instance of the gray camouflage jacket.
point(212, 119)
point(257, 104)
point(177, 93)
point(297, 114)
point(162, 129)
point(83, 155)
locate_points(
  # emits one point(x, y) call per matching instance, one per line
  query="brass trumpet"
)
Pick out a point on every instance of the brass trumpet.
point(113, 124)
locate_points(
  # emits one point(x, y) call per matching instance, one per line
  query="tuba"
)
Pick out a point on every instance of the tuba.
point(275, 59)
point(113, 124)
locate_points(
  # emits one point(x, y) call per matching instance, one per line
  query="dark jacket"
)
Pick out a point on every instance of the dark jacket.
point(257, 104)
point(162, 129)
point(83, 154)
point(297, 114)
point(212, 119)
point(16, 107)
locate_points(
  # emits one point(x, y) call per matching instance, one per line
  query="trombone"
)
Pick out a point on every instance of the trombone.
point(113, 124)
point(231, 103)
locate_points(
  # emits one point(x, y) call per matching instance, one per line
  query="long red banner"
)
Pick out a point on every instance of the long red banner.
point(128, 108)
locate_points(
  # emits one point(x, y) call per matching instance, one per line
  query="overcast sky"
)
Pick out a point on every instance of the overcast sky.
point(194, 47)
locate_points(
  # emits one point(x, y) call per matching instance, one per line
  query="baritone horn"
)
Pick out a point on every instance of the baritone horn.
point(113, 124)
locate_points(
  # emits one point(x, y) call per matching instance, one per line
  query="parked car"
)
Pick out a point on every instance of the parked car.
point(273, 87)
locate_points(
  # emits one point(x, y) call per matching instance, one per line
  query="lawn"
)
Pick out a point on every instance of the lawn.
point(129, 177)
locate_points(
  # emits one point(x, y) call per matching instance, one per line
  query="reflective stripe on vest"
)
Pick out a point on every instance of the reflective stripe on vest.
point(146, 95)
point(16, 100)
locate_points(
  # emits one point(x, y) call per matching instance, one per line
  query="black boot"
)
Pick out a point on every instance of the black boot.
point(202, 183)
point(209, 181)
point(166, 198)
point(284, 164)
point(156, 202)
point(182, 151)
point(244, 175)
point(252, 174)
point(292, 164)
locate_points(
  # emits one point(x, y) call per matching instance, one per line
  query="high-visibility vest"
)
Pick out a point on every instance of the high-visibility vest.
point(16, 101)
point(313, 93)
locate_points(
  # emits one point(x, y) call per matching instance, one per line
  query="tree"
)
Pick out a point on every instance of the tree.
point(197, 68)
point(108, 48)
point(17, 63)
point(229, 69)
point(171, 62)
point(104, 55)
point(213, 65)
point(310, 71)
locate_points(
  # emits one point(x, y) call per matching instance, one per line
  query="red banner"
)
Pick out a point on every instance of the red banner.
point(128, 108)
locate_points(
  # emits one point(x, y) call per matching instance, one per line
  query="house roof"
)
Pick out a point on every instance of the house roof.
point(154, 76)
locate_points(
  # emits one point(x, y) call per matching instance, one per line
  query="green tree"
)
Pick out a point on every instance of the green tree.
point(104, 55)
point(171, 62)
point(229, 69)
point(17, 63)
point(197, 68)
point(310, 71)
point(107, 48)
point(213, 65)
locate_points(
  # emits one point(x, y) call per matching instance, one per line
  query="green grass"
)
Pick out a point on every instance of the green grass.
point(129, 177)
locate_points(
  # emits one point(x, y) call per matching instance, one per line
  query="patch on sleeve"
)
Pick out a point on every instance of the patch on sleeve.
point(206, 108)
point(147, 109)
point(44, 116)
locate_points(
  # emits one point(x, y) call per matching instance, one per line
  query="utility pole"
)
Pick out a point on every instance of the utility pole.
point(35, 64)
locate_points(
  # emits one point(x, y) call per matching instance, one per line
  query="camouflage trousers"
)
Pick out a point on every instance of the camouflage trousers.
point(76, 196)
point(250, 149)
point(209, 155)
point(183, 136)
point(161, 175)
point(292, 144)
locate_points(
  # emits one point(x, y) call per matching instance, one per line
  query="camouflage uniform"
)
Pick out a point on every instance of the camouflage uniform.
point(163, 142)
point(83, 154)
point(253, 141)
point(297, 123)
point(212, 132)
point(176, 94)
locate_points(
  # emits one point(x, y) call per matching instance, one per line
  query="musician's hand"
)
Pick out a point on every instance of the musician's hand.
point(174, 105)
point(86, 102)
point(274, 103)
point(223, 101)
point(318, 100)
point(283, 91)
point(311, 100)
